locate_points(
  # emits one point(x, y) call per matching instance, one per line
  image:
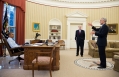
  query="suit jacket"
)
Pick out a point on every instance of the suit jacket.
point(80, 37)
point(102, 34)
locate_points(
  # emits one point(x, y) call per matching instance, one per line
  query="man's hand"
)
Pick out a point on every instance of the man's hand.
point(93, 32)
point(90, 24)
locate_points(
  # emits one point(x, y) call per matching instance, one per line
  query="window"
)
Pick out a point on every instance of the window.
point(11, 13)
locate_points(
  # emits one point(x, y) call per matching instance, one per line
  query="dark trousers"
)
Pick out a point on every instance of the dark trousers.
point(102, 56)
point(81, 49)
point(18, 50)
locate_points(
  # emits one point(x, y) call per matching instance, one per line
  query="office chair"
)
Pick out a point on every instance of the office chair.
point(11, 50)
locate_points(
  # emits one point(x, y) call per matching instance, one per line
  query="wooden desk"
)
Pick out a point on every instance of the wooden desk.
point(29, 55)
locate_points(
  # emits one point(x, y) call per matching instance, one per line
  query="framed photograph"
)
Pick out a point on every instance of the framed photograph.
point(113, 28)
point(36, 27)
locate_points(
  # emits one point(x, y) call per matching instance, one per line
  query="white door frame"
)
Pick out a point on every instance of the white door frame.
point(75, 18)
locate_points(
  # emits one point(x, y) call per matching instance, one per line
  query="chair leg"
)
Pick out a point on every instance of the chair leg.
point(18, 58)
point(11, 61)
point(50, 70)
point(39, 68)
point(32, 70)
point(52, 66)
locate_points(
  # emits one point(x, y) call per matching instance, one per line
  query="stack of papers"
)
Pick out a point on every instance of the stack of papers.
point(35, 45)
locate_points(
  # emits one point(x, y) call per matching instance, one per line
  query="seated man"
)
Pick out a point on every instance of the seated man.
point(12, 43)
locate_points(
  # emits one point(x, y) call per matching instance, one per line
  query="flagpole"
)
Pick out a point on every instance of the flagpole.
point(6, 4)
point(6, 8)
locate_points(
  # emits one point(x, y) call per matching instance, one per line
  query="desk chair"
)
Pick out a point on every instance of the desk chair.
point(43, 59)
point(61, 43)
point(11, 51)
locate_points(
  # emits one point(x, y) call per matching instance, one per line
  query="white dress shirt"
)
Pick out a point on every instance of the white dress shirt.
point(79, 31)
point(12, 43)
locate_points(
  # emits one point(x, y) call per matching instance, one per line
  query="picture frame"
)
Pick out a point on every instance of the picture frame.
point(113, 28)
point(36, 27)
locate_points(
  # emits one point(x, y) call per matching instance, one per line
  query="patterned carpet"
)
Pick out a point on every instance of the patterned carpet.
point(92, 63)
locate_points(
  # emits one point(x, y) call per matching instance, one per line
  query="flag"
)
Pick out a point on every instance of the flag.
point(5, 19)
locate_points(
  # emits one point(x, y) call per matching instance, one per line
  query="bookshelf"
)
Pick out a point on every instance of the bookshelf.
point(54, 31)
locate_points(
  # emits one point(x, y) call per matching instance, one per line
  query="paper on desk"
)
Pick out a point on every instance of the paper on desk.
point(35, 45)
point(38, 44)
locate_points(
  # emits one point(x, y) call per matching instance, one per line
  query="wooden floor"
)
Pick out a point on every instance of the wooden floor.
point(4, 63)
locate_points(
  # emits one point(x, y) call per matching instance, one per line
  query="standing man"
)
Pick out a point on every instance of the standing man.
point(101, 41)
point(80, 37)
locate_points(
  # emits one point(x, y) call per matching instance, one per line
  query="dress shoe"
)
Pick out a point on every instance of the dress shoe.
point(98, 64)
point(81, 55)
point(101, 67)
point(76, 54)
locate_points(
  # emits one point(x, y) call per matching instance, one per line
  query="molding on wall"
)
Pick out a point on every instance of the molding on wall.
point(84, 1)
point(76, 5)
point(76, 15)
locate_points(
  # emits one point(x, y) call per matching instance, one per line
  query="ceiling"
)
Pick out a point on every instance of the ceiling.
point(85, 1)
point(78, 3)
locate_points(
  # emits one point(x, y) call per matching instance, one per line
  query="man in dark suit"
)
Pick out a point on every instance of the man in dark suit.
point(102, 40)
point(80, 37)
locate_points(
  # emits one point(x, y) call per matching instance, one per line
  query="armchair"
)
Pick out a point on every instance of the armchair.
point(61, 43)
point(116, 65)
point(43, 59)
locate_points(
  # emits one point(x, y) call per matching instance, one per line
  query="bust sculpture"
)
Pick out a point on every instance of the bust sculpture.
point(37, 35)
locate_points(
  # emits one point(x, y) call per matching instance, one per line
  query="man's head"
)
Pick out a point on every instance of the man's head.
point(103, 21)
point(79, 27)
point(11, 34)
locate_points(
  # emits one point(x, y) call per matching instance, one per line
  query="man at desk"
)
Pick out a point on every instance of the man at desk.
point(12, 43)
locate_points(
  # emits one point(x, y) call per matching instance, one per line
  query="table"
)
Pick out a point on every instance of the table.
point(29, 55)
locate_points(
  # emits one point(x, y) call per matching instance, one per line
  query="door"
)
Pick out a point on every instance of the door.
point(73, 29)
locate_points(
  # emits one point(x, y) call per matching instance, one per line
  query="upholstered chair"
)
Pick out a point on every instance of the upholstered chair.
point(43, 59)
point(62, 43)
point(116, 65)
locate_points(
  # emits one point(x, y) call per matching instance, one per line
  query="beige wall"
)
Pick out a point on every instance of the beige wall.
point(43, 14)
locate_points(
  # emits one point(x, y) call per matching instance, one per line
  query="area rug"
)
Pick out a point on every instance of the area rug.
point(92, 63)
